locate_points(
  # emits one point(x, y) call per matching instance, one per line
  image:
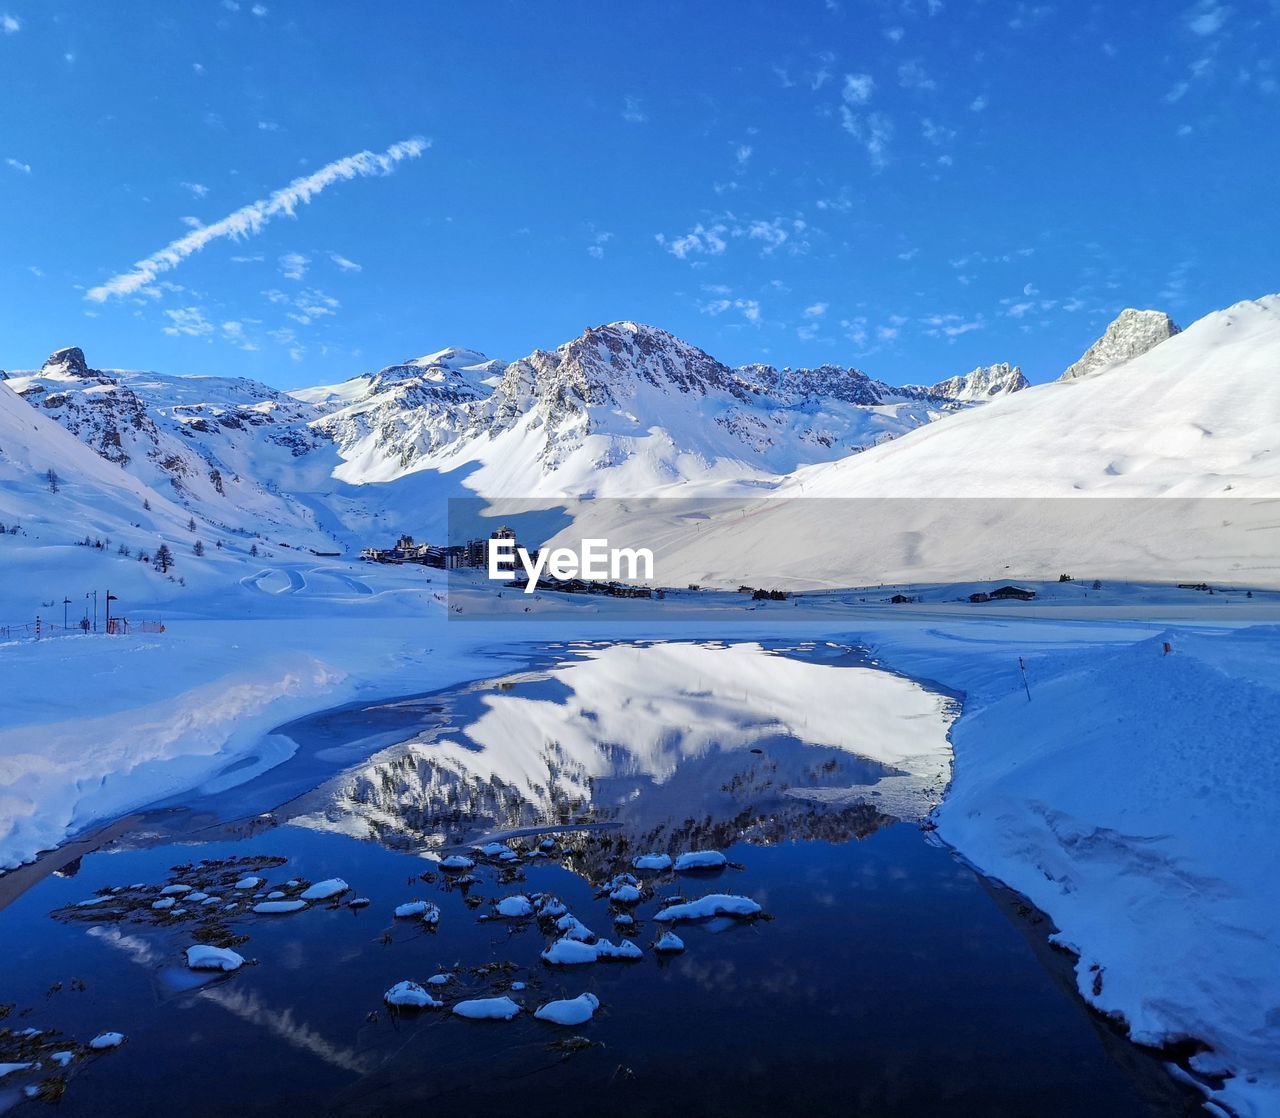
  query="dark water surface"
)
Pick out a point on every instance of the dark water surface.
point(889, 979)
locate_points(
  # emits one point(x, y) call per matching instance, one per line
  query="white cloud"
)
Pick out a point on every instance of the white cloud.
point(858, 88)
point(894, 34)
point(188, 320)
point(293, 265)
point(771, 233)
point(268, 126)
point(1018, 310)
point(1028, 15)
point(10, 25)
point(631, 111)
point(712, 238)
point(259, 10)
point(1207, 17)
point(345, 264)
point(35, 270)
point(198, 189)
point(978, 104)
point(874, 130)
point(191, 222)
point(233, 332)
point(231, 5)
point(701, 240)
point(19, 166)
point(311, 304)
point(250, 219)
point(936, 133)
point(596, 247)
point(841, 203)
point(819, 77)
point(748, 308)
point(816, 310)
point(743, 156)
point(197, 67)
point(911, 75)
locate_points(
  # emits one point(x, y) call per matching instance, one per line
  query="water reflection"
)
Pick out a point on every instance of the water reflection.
point(673, 745)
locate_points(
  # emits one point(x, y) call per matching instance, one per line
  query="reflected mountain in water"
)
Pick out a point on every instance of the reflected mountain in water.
point(672, 746)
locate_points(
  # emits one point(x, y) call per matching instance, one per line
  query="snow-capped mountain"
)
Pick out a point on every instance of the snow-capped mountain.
point(220, 447)
point(1197, 416)
point(622, 409)
point(631, 410)
point(984, 383)
point(386, 422)
point(1131, 335)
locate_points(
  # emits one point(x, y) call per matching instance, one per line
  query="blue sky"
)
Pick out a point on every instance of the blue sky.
point(914, 187)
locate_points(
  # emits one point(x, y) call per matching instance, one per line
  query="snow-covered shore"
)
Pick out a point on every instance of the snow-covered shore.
point(1133, 798)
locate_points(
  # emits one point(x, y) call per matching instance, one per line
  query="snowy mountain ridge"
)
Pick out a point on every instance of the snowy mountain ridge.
point(215, 445)
point(1197, 416)
point(622, 408)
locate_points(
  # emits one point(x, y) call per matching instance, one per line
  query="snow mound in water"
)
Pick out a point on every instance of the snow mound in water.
point(324, 890)
point(701, 860)
point(409, 995)
point(202, 956)
point(513, 908)
point(487, 1009)
point(669, 944)
point(570, 952)
point(278, 908)
point(716, 904)
point(569, 1011)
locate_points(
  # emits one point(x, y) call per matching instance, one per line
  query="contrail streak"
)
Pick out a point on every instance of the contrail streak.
point(250, 219)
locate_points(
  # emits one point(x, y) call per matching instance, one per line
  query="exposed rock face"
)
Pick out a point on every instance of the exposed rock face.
point(68, 362)
point(984, 383)
point(1132, 334)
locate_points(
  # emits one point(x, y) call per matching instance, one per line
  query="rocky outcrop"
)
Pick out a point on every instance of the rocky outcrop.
point(986, 382)
point(1132, 334)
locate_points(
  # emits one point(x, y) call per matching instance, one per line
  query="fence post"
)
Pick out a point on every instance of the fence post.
point(37, 626)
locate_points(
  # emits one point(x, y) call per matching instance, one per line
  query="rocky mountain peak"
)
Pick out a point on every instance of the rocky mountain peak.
point(68, 362)
point(605, 364)
point(985, 383)
point(1132, 334)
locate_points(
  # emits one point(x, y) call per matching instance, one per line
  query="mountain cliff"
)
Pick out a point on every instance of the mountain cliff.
point(1132, 334)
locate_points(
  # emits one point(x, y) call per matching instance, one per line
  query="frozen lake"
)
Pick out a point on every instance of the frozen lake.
point(883, 976)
